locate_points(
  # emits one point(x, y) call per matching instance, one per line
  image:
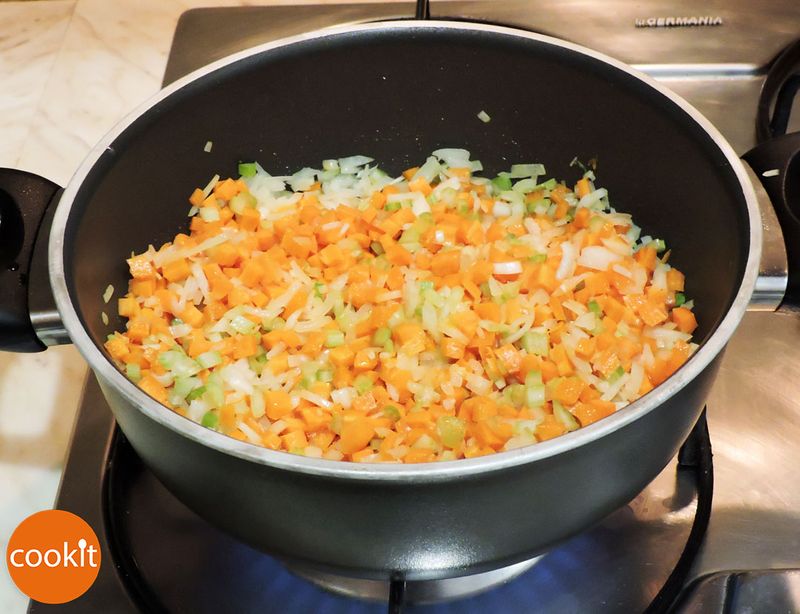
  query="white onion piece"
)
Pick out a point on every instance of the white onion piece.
point(567, 265)
point(512, 267)
point(597, 257)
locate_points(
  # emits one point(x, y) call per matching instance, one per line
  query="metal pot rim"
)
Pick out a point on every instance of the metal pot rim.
point(426, 472)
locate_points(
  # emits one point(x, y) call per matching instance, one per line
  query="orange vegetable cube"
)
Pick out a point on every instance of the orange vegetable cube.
point(356, 433)
point(278, 404)
point(141, 268)
point(191, 315)
point(685, 319)
point(675, 280)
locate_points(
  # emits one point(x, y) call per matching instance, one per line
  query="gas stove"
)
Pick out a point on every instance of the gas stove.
point(739, 554)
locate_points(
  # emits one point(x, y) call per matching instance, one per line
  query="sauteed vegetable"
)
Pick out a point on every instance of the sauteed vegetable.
point(345, 314)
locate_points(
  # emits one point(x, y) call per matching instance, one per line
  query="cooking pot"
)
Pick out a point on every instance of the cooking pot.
point(394, 91)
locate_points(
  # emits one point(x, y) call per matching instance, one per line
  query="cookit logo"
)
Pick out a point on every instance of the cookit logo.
point(53, 556)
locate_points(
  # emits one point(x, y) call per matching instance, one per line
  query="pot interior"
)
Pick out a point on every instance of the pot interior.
point(396, 94)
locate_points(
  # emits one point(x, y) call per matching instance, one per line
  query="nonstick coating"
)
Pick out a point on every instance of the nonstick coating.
point(396, 94)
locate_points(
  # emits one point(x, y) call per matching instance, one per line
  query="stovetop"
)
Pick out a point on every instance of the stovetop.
point(159, 556)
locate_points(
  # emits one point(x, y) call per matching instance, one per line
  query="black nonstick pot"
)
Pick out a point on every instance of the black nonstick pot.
point(394, 91)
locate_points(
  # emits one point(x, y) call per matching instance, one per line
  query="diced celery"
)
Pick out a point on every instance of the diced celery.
point(594, 307)
point(334, 339)
point(534, 389)
point(680, 299)
point(410, 235)
point(538, 258)
point(336, 423)
point(242, 201)
point(451, 430)
point(325, 375)
point(425, 442)
point(616, 374)
point(381, 336)
point(391, 412)
point(524, 186)
point(515, 394)
point(214, 395)
point(564, 417)
point(210, 420)
point(242, 325)
point(133, 371)
point(258, 404)
point(196, 393)
point(179, 363)
point(659, 245)
point(247, 169)
point(388, 346)
point(273, 324)
point(319, 289)
point(363, 384)
point(526, 170)
point(309, 372)
point(184, 385)
point(257, 363)
point(209, 359)
point(533, 378)
point(535, 343)
point(596, 223)
point(501, 183)
point(425, 285)
point(392, 206)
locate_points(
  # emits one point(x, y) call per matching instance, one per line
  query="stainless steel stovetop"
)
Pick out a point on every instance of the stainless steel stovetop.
point(754, 409)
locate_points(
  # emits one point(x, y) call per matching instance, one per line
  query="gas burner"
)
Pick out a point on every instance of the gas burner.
point(167, 559)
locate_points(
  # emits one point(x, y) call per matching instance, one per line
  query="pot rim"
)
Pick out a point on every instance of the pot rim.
point(422, 472)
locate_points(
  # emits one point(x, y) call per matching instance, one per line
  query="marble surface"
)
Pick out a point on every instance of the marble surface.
point(70, 69)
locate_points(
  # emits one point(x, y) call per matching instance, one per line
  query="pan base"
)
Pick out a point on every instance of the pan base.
point(420, 591)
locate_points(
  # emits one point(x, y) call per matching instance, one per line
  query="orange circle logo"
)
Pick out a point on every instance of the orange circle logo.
point(53, 556)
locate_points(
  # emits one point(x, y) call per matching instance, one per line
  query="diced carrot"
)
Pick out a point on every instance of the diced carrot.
point(646, 256)
point(587, 413)
point(452, 348)
point(226, 189)
point(127, 307)
point(141, 268)
point(224, 254)
point(118, 347)
point(568, 390)
point(466, 322)
point(191, 315)
point(356, 433)
point(246, 346)
point(488, 310)
point(151, 386)
point(297, 301)
point(278, 404)
point(398, 255)
point(420, 184)
point(582, 188)
point(675, 280)
point(143, 287)
point(685, 319)
point(549, 428)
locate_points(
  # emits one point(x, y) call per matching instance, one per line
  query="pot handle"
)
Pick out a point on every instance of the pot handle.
point(25, 201)
point(777, 164)
point(776, 158)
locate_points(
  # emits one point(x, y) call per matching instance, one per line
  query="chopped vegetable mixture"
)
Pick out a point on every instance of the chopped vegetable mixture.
point(344, 314)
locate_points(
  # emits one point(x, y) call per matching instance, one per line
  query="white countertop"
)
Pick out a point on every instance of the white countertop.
point(70, 69)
